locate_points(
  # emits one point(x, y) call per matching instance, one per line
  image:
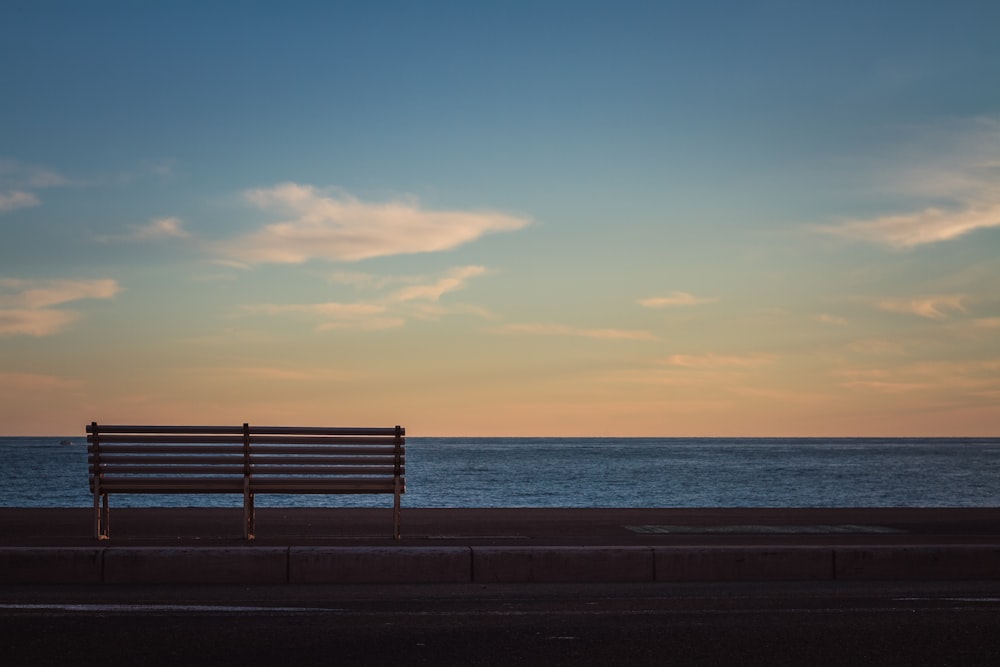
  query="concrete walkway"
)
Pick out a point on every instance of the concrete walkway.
point(304, 546)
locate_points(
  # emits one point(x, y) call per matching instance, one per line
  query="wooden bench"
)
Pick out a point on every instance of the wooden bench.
point(243, 459)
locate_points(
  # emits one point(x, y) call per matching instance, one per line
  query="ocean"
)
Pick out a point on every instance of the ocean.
point(597, 472)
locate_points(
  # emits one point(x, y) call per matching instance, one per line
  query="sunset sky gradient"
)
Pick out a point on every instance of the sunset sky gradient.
point(502, 218)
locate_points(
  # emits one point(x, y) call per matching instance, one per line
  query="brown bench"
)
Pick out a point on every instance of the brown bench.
point(243, 459)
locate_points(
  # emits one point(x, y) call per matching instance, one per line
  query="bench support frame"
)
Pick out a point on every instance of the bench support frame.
point(102, 512)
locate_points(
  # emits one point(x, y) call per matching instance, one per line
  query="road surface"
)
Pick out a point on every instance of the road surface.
point(800, 623)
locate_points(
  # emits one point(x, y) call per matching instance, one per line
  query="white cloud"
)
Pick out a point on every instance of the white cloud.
point(964, 175)
point(15, 199)
point(26, 306)
point(563, 330)
point(932, 307)
point(674, 299)
point(320, 224)
point(156, 229)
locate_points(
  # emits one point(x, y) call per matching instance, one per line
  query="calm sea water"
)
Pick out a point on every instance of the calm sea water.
point(598, 472)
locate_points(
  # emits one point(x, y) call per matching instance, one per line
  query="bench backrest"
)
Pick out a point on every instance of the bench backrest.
point(234, 459)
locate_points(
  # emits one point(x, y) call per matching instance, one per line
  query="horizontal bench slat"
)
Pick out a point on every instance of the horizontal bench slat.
point(166, 468)
point(172, 485)
point(103, 429)
point(325, 460)
point(322, 440)
point(169, 439)
point(304, 485)
point(238, 439)
point(385, 450)
point(122, 470)
point(263, 430)
point(326, 430)
point(141, 459)
point(167, 449)
point(331, 471)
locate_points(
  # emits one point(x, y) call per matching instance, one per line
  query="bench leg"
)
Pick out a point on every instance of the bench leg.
point(248, 514)
point(102, 516)
point(395, 513)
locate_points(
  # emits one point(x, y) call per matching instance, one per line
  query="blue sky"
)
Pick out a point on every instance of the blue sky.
point(737, 218)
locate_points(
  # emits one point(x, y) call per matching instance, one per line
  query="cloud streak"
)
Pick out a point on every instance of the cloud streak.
point(563, 330)
point(333, 315)
point(18, 182)
point(716, 361)
point(931, 225)
point(674, 299)
point(157, 229)
point(931, 307)
point(455, 279)
point(26, 307)
point(15, 199)
point(966, 178)
point(320, 224)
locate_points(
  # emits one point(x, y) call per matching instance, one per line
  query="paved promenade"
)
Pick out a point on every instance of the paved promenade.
point(501, 545)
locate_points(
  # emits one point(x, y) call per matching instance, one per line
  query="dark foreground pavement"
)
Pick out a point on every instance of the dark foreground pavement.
point(736, 623)
point(486, 546)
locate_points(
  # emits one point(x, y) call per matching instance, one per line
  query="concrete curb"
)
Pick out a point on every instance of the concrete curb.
point(379, 565)
point(417, 564)
point(561, 564)
point(48, 565)
point(911, 563)
point(204, 565)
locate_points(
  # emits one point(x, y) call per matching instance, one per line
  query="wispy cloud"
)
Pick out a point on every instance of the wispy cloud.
point(956, 380)
point(15, 382)
point(928, 226)
point(15, 199)
point(563, 330)
point(675, 299)
point(332, 315)
point(363, 280)
point(387, 305)
point(40, 294)
point(334, 226)
point(455, 279)
point(26, 307)
point(270, 373)
point(932, 307)
point(717, 361)
point(19, 181)
point(826, 318)
point(965, 176)
point(28, 322)
point(154, 230)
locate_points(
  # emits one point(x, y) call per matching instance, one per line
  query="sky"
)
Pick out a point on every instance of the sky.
point(579, 218)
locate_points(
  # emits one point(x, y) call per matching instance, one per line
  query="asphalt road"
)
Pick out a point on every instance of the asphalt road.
point(797, 623)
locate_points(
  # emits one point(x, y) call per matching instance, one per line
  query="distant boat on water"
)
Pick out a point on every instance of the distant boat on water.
point(66, 442)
